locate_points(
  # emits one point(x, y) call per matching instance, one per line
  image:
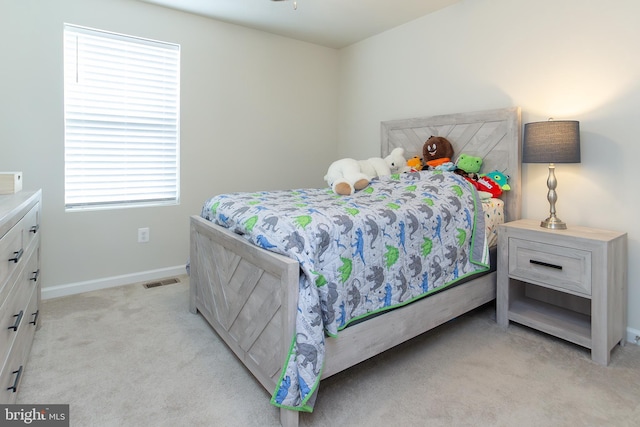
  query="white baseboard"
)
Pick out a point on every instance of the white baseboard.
point(632, 336)
point(110, 282)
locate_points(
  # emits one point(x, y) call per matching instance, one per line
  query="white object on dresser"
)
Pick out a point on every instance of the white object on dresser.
point(19, 286)
point(568, 283)
point(10, 182)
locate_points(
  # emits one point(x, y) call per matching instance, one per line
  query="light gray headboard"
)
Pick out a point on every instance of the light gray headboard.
point(494, 135)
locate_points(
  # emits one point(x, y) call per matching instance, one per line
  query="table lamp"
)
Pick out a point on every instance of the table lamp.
point(553, 141)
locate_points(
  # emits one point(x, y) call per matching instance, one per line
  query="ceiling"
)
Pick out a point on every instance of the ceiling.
point(331, 23)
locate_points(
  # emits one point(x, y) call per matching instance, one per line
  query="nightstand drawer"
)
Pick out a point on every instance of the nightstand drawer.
point(553, 266)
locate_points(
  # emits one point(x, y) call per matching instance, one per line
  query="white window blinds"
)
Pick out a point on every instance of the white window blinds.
point(121, 112)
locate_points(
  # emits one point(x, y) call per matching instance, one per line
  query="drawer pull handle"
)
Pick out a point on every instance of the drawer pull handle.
point(545, 264)
point(17, 256)
point(14, 387)
point(18, 320)
point(35, 275)
point(34, 229)
point(35, 317)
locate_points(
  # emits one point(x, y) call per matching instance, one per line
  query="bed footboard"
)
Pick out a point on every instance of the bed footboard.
point(248, 295)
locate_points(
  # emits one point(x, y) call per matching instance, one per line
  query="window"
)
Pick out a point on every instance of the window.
point(121, 114)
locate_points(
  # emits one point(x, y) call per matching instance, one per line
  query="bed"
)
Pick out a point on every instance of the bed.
point(250, 295)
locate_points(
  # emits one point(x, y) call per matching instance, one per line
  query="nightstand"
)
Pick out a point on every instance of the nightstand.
point(568, 283)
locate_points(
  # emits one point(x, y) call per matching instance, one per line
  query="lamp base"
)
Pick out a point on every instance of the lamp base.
point(553, 223)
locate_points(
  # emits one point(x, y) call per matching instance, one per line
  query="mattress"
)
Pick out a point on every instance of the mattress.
point(493, 216)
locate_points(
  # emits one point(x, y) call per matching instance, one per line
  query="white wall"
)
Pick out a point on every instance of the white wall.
point(258, 112)
point(566, 59)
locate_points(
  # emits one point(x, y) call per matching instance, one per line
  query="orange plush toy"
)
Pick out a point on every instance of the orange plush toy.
point(436, 151)
point(414, 164)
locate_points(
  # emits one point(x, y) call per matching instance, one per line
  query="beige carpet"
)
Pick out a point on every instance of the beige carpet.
point(131, 356)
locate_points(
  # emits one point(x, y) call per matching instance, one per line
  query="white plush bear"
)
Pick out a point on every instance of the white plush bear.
point(346, 176)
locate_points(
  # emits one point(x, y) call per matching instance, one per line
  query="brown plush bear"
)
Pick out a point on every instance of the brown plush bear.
point(436, 151)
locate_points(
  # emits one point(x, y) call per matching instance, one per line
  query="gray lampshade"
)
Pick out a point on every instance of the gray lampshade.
point(551, 142)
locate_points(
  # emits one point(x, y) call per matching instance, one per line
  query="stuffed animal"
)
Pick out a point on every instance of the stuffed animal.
point(469, 164)
point(436, 151)
point(414, 164)
point(469, 167)
point(487, 185)
point(346, 176)
point(500, 179)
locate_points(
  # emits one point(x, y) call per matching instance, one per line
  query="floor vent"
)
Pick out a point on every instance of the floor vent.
point(163, 282)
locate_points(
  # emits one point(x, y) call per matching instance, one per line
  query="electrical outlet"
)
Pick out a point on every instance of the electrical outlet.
point(143, 235)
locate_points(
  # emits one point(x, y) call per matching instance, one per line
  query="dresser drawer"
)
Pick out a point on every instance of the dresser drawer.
point(10, 378)
point(30, 225)
point(11, 252)
point(13, 369)
point(15, 244)
point(16, 311)
point(552, 266)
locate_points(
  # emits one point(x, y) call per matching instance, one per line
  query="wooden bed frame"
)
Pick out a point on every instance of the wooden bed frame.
point(249, 295)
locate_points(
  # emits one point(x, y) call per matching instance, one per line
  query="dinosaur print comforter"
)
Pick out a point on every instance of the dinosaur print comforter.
point(400, 239)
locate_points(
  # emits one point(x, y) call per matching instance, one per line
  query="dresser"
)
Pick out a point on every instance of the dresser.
point(568, 283)
point(20, 216)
